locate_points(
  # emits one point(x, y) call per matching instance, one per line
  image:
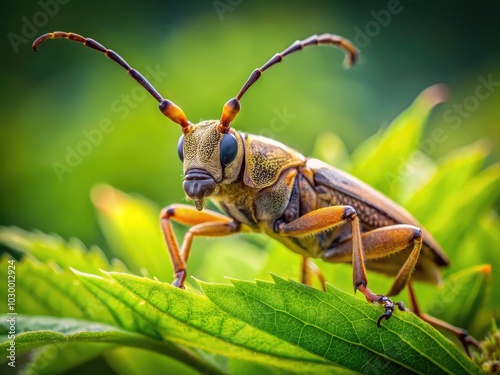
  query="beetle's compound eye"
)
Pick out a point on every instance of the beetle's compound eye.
point(180, 147)
point(228, 148)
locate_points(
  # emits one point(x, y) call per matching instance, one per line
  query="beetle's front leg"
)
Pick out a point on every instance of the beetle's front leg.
point(326, 219)
point(204, 223)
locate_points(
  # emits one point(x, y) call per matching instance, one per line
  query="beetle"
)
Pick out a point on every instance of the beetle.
point(314, 209)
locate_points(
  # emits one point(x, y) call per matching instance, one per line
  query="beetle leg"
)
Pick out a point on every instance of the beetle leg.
point(462, 334)
point(328, 218)
point(382, 242)
point(388, 240)
point(308, 268)
point(204, 223)
point(381, 300)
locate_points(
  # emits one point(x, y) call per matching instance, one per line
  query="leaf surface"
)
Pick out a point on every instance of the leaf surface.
point(340, 328)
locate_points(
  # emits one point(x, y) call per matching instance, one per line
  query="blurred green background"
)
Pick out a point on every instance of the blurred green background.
point(204, 52)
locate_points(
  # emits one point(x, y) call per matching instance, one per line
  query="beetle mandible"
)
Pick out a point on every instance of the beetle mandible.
point(314, 209)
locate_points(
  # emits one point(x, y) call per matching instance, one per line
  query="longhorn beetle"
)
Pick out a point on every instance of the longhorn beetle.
point(312, 208)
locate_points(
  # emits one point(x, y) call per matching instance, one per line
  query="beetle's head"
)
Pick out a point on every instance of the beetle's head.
point(210, 158)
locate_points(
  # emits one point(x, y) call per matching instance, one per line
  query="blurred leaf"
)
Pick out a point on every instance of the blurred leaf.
point(340, 328)
point(48, 290)
point(38, 330)
point(462, 296)
point(330, 148)
point(63, 356)
point(451, 177)
point(488, 240)
point(379, 160)
point(241, 367)
point(135, 361)
point(132, 228)
point(245, 260)
point(482, 246)
point(52, 248)
point(464, 208)
point(280, 261)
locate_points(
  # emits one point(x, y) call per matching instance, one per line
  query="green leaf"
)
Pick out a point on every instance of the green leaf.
point(115, 300)
point(482, 191)
point(61, 357)
point(134, 361)
point(187, 319)
point(380, 159)
point(462, 296)
point(245, 263)
point(451, 177)
point(190, 319)
point(52, 248)
point(45, 289)
point(37, 331)
point(132, 228)
point(485, 238)
point(340, 328)
point(332, 150)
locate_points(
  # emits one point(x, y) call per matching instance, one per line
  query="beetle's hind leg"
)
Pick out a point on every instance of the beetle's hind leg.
point(462, 335)
point(331, 217)
point(388, 304)
point(379, 243)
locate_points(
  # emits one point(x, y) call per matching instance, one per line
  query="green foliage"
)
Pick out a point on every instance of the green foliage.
point(77, 304)
point(393, 148)
point(488, 356)
point(340, 328)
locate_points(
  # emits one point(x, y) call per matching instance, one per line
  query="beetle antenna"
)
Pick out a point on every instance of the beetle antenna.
point(232, 107)
point(168, 108)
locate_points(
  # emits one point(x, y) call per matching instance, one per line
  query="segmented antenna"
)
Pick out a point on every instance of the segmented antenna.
point(232, 107)
point(167, 107)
